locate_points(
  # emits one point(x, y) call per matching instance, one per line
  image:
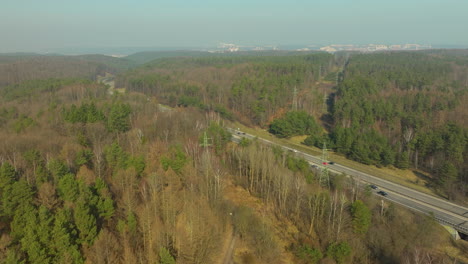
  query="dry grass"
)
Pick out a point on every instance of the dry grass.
point(284, 230)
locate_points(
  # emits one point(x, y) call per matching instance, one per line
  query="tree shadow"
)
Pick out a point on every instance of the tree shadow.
point(327, 118)
point(430, 183)
point(422, 176)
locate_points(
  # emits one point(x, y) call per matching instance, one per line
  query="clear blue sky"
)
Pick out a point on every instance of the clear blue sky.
point(33, 25)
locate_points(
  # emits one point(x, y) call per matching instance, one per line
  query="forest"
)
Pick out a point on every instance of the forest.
point(399, 109)
point(92, 177)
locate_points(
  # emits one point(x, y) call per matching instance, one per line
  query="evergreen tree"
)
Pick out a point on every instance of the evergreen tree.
point(361, 217)
point(339, 252)
point(64, 239)
point(165, 257)
point(7, 176)
point(16, 198)
point(85, 222)
point(118, 120)
point(68, 188)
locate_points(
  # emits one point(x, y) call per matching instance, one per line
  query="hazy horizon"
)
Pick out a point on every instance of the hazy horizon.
point(54, 26)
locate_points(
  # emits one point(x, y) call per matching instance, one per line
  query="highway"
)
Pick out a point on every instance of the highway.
point(445, 212)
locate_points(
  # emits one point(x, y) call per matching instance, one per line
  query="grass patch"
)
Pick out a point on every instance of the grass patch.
point(406, 178)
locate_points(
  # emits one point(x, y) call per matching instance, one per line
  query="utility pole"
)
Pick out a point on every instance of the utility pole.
point(324, 179)
point(205, 143)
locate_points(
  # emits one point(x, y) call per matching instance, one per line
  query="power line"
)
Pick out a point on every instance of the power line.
point(205, 143)
point(294, 103)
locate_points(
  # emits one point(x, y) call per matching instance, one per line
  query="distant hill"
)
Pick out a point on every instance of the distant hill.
point(119, 64)
point(148, 56)
point(19, 67)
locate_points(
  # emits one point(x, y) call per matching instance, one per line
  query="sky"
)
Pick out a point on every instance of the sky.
point(52, 25)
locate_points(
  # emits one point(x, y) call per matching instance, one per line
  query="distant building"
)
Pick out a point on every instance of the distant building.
point(328, 49)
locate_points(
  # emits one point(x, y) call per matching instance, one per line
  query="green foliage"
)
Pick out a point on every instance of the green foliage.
point(165, 257)
point(175, 160)
point(68, 188)
point(105, 207)
point(22, 123)
point(217, 136)
point(84, 157)
point(86, 113)
point(293, 124)
point(64, 242)
point(138, 163)
point(339, 252)
point(223, 111)
point(12, 257)
point(403, 160)
point(42, 174)
point(262, 82)
point(118, 120)
point(16, 198)
point(57, 168)
point(297, 164)
point(105, 204)
point(37, 236)
point(311, 255)
point(33, 157)
point(318, 141)
point(85, 222)
point(361, 217)
point(115, 156)
point(244, 142)
point(401, 109)
point(35, 87)
point(7, 175)
point(131, 222)
point(186, 101)
point(355, 144)
point(447, 173)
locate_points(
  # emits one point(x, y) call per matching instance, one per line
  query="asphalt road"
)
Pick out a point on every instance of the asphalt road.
point(444, 211)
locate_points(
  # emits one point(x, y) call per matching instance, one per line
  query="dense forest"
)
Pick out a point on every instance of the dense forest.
point(406, 110)
point(401, 109)
point(92, 177)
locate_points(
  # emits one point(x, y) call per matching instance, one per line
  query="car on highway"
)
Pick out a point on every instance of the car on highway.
point(373, 186)
point(331, 163)
point(382, 193)
point(314, 166)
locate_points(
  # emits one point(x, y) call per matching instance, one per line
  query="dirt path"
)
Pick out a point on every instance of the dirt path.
point(230, 251)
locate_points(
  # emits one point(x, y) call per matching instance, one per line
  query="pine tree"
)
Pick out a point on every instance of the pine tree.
point(361, 217)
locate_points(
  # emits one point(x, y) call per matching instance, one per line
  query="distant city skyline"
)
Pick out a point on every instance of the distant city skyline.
point(54, 26)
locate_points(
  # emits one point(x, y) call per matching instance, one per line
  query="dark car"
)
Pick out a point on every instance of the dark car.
point(314, 166)
point(373, 186)
point(382, 193)
point(331, 163)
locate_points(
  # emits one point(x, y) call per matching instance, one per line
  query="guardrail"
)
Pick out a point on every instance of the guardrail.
point(457, 227)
